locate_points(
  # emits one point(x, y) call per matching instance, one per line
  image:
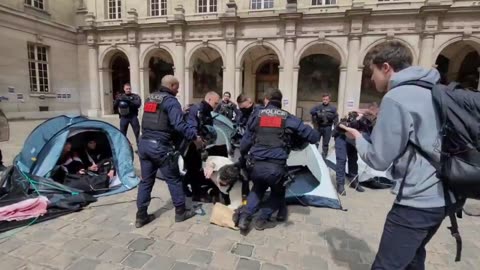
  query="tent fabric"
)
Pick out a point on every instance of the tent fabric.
point(312, 184)
point(17, 186)
point(43, 148)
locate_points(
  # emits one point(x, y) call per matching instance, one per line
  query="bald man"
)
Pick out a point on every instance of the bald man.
point(163, 129)
point(199, 116)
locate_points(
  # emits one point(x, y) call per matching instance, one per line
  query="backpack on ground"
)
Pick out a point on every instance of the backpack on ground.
point(459, 168)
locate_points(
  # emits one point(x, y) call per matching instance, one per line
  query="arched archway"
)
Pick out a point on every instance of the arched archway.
point(368, 92)
point(206, 73)
point(266, 77)
point(157, 64)
point(460, 62)
point(319, 74)
point(114, 73)
point(260, 70)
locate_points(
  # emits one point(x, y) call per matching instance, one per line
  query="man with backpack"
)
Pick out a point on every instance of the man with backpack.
point(406, 136)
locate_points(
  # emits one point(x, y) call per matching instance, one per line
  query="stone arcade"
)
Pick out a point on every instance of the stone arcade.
point(74, 56)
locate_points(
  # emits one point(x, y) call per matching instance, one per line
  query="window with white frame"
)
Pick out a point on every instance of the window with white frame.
point(114, 9)
point(206, 6)
point(261, 4)
point(38, 68)
point(158, 7)
point(323, 2)
point(36, 3)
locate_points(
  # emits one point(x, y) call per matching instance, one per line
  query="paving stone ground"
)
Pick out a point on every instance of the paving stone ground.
point(103, 235)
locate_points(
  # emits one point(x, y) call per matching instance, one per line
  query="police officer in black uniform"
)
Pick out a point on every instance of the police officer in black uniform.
point(266, 142)
point(345, 148)
point(199, 116)
point(324, 117)
point(127, 105)
point(226, 107)
point(163, 127)
point(246, 108)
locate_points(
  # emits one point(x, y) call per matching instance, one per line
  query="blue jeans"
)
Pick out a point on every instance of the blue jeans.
point(155, 156)
point(266, 175)
point(406, 233)
point(130, 120)
point(344, 150)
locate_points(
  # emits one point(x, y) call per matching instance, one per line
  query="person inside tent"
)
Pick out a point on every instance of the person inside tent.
point(95, 160)
point(70, 161)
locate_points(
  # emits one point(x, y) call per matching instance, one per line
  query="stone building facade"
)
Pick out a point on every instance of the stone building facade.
point(74, 56)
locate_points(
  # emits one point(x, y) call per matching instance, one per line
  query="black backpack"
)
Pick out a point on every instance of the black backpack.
point(459, 168)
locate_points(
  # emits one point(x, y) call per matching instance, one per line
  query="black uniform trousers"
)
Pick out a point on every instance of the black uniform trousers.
point(266, 175)
point(130, 120)
point(156, 156)
point(344, 150)
point(325, 135)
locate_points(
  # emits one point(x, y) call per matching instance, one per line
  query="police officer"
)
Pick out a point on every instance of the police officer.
point(127, 105)
point(226, 107)
point(323, 117)
point(246, 108)
point(199, 116)
point(163, 126)
point(345, 150)
point(266, 142)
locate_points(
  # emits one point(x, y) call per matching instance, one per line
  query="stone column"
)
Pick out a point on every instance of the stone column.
point(352, 88)
point(295, 90)
point(94, 109)
point(426, 60)
point(288, 75)
point(187, 89)
point(229, 78)
point(144, 82)
point(180, 72)
point(238, 80)
point(134, 68)
point(341, 90)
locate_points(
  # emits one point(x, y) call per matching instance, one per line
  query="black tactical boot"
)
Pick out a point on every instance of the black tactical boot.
point(341, 190)
point(355, 184)
point(244, 222)
point(143, 218)
point(282, 214)
point(182, 214)
point(262, 224)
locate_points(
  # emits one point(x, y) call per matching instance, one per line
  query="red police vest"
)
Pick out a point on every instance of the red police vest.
point(154, 115)
point(270, 129)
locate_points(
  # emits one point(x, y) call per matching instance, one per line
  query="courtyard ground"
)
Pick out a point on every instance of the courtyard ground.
point(103, 235)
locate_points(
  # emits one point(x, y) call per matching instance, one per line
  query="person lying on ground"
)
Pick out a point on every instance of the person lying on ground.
point(223, 174)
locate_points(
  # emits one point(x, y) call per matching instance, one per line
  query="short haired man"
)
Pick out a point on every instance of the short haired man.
point(324, 117)
point(163, 127)
point(199, 116)
point(266, 147)
point(227, 107)
point(406, 122)
point(128, 104)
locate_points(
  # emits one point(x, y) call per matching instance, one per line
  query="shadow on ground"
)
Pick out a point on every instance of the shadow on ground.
point(348, 250)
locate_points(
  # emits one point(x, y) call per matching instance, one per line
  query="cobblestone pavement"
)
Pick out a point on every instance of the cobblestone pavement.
point(103, 236)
